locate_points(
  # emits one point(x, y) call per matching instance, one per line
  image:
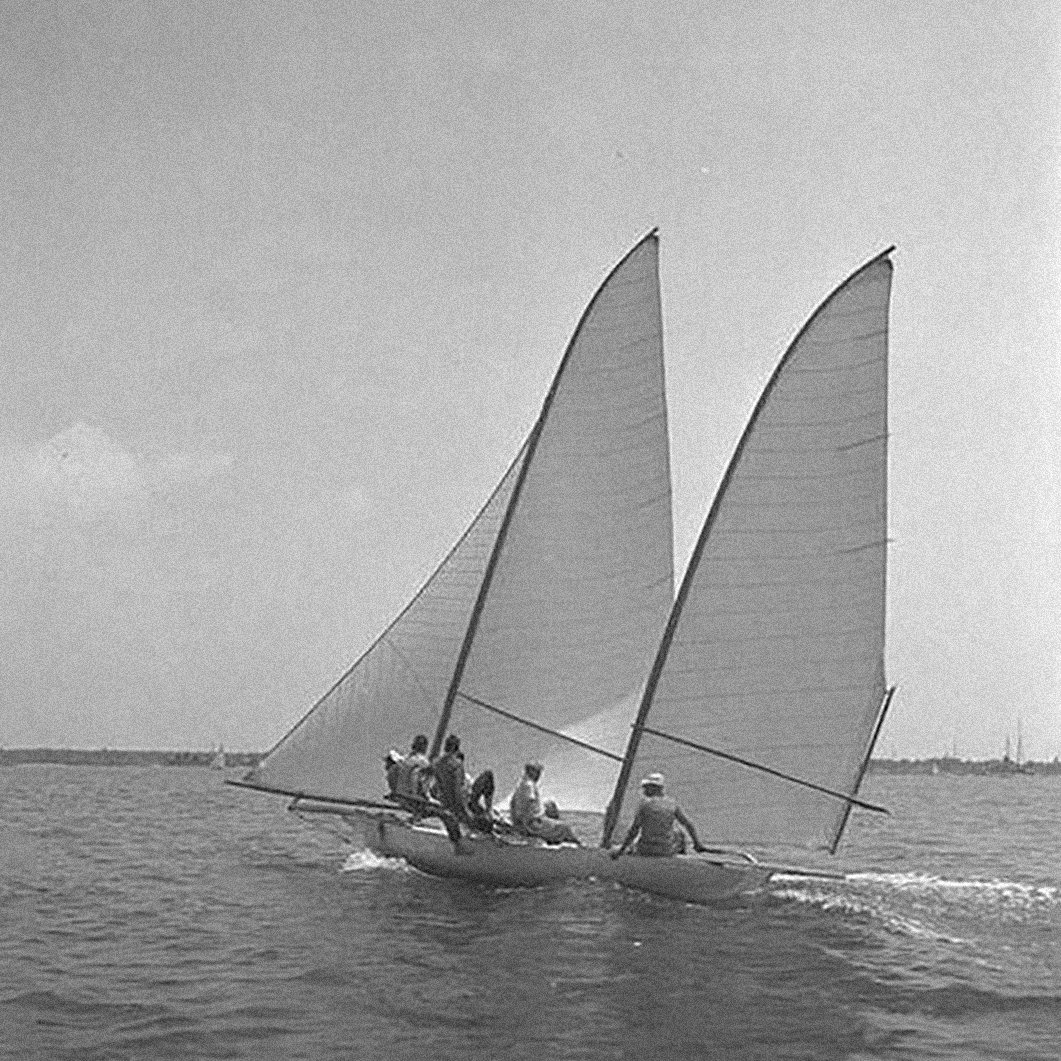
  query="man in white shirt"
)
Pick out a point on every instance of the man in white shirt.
point(527, 813)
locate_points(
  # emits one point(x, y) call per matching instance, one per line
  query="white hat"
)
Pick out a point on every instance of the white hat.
point(653, 780)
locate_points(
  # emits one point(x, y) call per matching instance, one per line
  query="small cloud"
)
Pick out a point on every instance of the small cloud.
point(83, 471)
point(82, 474)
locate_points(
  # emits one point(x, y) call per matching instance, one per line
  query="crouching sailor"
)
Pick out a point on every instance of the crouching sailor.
point(528, 816)
point(655, 825)
point(471, 803)
point(405, 776)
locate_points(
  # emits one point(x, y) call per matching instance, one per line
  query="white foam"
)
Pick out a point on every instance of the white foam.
point(361, 861)
point(1001, 891)
point(850, 903)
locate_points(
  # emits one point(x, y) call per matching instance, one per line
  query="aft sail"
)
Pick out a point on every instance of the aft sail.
point(774, 651)
point(549, 608)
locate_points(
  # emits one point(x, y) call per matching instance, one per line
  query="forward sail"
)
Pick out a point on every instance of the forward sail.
point(549, 608)
point(397, 688)
point(774, 652)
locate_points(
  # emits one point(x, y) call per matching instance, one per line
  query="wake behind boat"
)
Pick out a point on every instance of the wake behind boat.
point(765, 678)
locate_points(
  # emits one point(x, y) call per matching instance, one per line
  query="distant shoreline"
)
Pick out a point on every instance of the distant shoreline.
point(136, 757)
point(121, 757)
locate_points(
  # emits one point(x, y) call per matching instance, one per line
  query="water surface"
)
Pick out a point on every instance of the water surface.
point(154, 913)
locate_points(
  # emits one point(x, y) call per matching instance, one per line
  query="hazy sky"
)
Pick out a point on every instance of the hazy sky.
point(284, 285)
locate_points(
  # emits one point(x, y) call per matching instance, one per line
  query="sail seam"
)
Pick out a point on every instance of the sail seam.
point(787, 424)
point(738, 503)
point(833, 369)
point(865, 442)
point(823, 449)
point(749, 532)
point(861, 338)
point(804, 477)
point(757, 694)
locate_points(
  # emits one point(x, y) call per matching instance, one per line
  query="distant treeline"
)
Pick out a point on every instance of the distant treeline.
point(124, 757)
point(975, 767)
point(121, 757)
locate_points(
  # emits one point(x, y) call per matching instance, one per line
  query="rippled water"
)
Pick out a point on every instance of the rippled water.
point(156, 913)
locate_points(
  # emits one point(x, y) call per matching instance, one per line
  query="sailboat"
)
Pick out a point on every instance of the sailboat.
point(551, 632)
point(1008, 766)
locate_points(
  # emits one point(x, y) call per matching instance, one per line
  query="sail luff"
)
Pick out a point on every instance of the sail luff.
point(665, 647)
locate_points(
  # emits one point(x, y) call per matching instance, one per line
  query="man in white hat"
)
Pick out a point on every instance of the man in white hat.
point(655, 823)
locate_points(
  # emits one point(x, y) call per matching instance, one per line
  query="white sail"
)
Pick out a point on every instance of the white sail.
point(397, 688)
point(775, 650)
point(551, 605)
point(585, 579)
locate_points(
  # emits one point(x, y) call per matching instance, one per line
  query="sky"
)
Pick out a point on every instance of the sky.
point(284, 286)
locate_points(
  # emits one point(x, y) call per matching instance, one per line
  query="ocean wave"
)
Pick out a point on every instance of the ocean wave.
point(57, 1005)
point(953, 1001)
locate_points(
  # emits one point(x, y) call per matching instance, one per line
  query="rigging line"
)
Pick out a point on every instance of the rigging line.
point(840, 368)
point(802, 476)
point(783, 425)
point(861, 337)
point(538, 726)
point(885, 704)
point(765, 769)
point(370, 803)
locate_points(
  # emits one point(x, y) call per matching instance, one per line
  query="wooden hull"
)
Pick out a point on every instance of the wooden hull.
point(508, 863)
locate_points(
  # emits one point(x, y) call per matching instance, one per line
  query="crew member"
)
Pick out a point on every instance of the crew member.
point(470, 802)
point(528, 815)
point(655, 825)
point(408, 782)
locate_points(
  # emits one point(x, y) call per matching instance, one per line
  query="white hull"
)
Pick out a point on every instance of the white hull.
point(507, 863)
